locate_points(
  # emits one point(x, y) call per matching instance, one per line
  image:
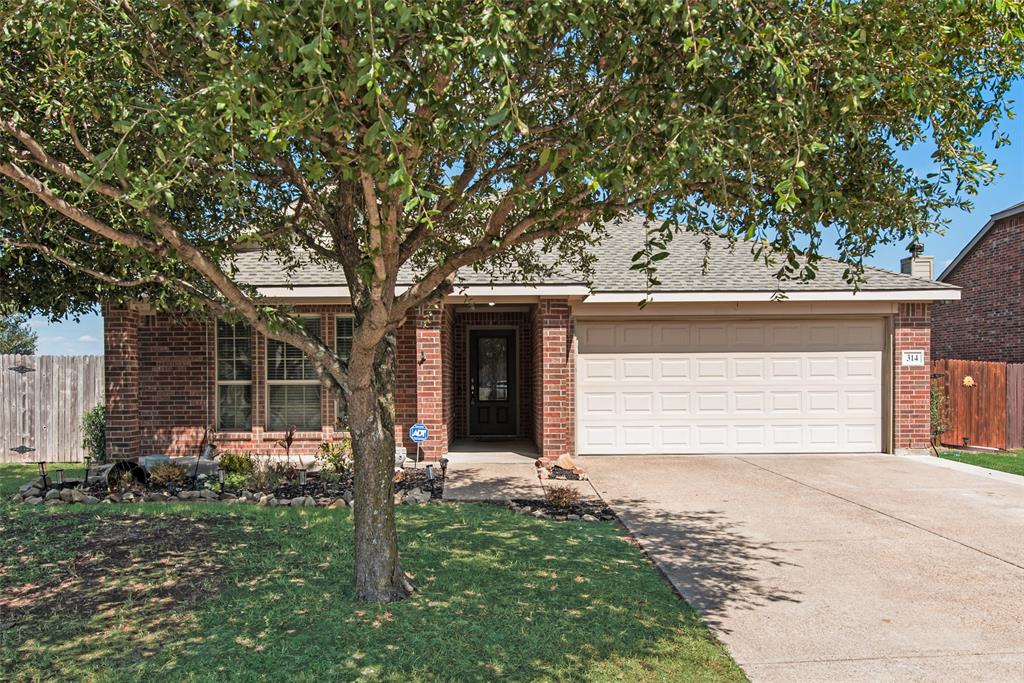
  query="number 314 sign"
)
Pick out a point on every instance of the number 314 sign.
point(913, 357)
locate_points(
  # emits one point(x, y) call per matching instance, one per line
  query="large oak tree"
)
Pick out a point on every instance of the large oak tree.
point(142, 141)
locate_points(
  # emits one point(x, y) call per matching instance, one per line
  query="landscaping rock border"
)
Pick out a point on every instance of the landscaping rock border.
point(33, 493)
point(586, 511)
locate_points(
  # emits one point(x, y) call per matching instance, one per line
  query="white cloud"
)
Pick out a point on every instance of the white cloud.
point(87, 338)
point(947, 262)
point(58, 338)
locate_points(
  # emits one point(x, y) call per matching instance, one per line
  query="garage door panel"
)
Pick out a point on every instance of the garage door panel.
point(635, 403)
point(747, 386)
point(596, 369)
point(673, 403)
point(747, 402)
point(673, 368)
point(748, 370)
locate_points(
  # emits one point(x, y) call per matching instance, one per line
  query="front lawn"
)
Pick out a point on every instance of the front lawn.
point(217, 592)
point(1010, 461)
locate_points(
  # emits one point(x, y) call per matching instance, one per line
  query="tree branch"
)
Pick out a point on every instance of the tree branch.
point(185, 250)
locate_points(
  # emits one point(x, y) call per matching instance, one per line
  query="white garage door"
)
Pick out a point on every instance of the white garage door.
point(751, 386)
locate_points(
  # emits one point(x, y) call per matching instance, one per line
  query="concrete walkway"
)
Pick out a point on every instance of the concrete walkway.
point(496, 474)
point(837, 568)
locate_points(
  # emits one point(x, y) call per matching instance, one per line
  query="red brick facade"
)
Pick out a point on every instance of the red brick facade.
point(162, 389)
point(554, 378)
point(988, 322)
point(121, 378)
point(912, 407)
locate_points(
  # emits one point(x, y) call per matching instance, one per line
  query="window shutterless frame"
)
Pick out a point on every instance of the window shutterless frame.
point(233, 372)
point(296, 378)
point(344, 328)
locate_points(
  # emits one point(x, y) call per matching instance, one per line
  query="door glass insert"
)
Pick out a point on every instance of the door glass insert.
point(493, 369)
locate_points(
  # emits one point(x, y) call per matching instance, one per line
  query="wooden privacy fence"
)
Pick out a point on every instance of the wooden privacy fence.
point(42, 399)
point(984, 403)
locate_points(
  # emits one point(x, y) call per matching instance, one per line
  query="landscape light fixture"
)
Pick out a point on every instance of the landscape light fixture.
point(302, 480)
point(60, 479)
point(967, 440)
point(86, 460)
point(42, 474)
point(430, 478)
point(220, 478)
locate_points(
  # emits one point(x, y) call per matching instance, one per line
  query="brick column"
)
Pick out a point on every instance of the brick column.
point(912, 385)
point(430, 382)
point(554, 409)
point(121, 380)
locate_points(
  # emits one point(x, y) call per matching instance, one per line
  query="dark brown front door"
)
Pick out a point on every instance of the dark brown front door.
point(492, 383)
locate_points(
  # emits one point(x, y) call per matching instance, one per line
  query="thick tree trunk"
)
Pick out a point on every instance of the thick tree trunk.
point(371, 412)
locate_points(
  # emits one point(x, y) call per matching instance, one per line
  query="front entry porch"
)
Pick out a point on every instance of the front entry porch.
point(494, 380)
point(493, 451)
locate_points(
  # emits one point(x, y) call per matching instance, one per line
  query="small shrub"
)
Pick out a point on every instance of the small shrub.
point(236, 481)
point(938, 410)
point(265, 477)
point(237, 463)
point(94, 432)
point(561, 496)
point(284, 471)
point(124, 480)
point(335, 457)
point(164, 473)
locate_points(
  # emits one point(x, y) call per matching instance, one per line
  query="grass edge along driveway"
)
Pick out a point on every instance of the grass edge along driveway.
point(1011, 462)
point(213, 592)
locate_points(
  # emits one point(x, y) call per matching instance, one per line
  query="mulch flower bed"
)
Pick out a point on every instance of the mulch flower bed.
point(586, 510)
point(557, 472)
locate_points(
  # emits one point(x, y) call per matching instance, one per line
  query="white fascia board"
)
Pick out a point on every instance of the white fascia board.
point(687, 297)
point(474, 291)
point(499, 291)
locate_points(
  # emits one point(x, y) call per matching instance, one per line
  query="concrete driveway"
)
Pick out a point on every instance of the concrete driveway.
point(837, 568)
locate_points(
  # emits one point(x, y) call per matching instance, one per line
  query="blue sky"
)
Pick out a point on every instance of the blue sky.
point(85, 336)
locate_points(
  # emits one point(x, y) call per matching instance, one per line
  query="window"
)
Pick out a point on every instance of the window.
point(293, 386)
point(234, 377)
point(344, 325)
point(343, 328)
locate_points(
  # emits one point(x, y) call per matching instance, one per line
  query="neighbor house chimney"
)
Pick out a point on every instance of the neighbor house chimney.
point(916, 264)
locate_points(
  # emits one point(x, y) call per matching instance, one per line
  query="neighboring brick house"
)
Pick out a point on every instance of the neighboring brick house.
point(988, 324)
point(712, 364)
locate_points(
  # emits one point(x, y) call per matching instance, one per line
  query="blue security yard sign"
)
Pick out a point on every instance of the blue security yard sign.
point(419, 432)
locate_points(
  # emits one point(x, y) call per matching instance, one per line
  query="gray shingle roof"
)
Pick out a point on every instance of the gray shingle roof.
point(729, 269)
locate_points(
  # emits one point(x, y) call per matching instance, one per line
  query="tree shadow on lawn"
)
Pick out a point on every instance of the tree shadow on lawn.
point(500, 596)
point(79, 587)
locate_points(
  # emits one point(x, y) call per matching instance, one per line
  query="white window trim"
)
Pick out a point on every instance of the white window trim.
point(267, 382)
point(230, 382)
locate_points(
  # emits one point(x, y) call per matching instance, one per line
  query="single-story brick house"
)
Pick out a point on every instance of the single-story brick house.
point(988, 324)
point(711, 365)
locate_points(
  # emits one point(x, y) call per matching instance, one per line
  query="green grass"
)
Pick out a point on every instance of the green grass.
point(1010, 461)
point(212, 592)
